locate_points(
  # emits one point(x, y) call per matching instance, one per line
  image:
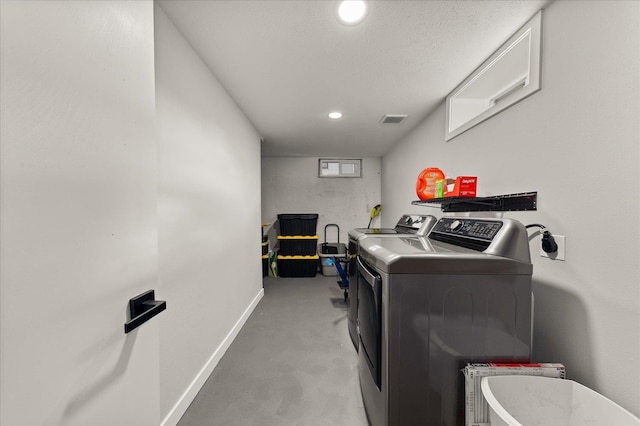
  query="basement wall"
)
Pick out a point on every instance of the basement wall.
point(292, 185)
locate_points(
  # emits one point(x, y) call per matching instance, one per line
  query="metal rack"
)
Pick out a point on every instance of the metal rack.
point(498, 203)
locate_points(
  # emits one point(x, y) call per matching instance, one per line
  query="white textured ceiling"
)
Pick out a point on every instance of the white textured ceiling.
point(288, 64)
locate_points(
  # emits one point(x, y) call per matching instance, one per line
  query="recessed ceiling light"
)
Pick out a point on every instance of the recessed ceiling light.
point(352, 12)
point(335, 115)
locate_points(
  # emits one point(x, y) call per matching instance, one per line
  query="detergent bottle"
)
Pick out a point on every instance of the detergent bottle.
point(426, 183)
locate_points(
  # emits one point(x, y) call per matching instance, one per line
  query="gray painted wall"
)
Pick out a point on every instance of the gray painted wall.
point(78, 229)
point(576, 142)
point(208, 217)
point(119, 175)
point(292, 185)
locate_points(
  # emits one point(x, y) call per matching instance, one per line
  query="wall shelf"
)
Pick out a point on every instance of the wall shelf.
point(498, 203)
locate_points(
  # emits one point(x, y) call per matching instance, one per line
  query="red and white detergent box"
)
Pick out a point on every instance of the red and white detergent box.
point(464, 186)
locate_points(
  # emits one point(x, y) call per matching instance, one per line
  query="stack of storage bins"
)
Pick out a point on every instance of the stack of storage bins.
point(298, 241)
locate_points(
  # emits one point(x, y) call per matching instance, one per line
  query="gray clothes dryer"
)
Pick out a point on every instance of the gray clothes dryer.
point(408, 224)
point(427, 306)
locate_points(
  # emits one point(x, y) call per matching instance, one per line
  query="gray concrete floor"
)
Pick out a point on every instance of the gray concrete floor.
point(292, 363)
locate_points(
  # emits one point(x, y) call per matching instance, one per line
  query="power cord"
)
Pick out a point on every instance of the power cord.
point(549, 244)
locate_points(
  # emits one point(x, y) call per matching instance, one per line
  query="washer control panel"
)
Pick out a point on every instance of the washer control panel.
point(497, 237)
point(480, 229)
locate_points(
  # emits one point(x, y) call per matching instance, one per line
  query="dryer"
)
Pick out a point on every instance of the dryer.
point(427, 306)
point(408, 224)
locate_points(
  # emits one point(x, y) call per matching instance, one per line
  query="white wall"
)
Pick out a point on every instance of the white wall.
point(576, 142)
point(78, 213)
point(103, 197)
point(292, 185)
point(208, 218)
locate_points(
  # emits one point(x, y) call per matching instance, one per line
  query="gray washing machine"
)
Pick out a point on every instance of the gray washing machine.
point(427, 306)
point(408, 224)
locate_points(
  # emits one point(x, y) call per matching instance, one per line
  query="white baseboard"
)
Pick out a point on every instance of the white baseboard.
point(192, 390)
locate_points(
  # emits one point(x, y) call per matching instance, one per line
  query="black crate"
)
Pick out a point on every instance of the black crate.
point(297, 266)
point(265, 248)
point(298, 224)
point(265, 265)
point(297, 245)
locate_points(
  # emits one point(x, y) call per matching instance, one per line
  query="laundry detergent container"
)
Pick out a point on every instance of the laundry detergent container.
point(545, 401)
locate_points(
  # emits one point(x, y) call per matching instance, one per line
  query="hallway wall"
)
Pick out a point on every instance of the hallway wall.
point(576, 142)
point(208, 218)
point(120, 174)
point(78, 213)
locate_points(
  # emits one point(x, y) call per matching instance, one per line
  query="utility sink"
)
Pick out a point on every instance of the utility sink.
point(538, 401)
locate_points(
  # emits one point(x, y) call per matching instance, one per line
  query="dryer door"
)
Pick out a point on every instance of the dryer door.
point(370, 318)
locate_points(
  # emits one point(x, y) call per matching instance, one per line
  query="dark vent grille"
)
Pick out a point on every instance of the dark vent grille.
point(393, 119)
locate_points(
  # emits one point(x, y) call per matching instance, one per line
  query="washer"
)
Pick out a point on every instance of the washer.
point(427, 306)
point(408, 224)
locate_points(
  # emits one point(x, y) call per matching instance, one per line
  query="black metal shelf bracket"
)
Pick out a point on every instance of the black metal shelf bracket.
point(142, 308)
point(497, 203)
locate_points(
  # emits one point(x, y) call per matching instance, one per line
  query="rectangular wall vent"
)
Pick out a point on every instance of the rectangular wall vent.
point(393, 118)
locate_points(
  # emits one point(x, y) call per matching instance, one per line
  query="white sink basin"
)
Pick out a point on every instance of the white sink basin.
point(538, 401)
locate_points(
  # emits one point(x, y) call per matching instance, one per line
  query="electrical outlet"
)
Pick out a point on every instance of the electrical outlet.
point(560, 254)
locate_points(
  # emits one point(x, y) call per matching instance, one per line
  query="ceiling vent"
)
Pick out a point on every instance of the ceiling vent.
point(393, 118)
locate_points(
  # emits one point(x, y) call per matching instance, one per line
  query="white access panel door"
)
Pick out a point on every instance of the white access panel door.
point(78, 213)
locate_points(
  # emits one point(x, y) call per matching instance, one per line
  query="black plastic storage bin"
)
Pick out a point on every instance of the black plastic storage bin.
point(297, 266)
point(297, 245)
point(298, 224)
point(265, 265)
